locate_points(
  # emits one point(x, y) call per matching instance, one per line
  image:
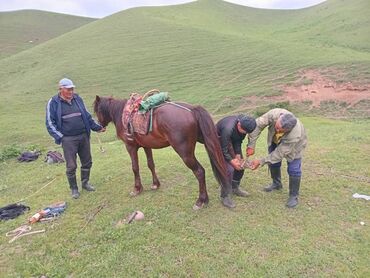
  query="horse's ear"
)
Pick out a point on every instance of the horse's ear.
point(97, 98)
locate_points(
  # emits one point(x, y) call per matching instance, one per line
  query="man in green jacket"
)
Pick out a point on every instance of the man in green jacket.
point(286, 139)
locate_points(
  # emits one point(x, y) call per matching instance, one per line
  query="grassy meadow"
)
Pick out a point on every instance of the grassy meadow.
point(260, 238)
point(215, 54)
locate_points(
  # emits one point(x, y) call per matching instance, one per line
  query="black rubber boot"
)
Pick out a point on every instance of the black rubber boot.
point(85, 176)
point(73, 186)
point(276, 180)
point(228, 202)
point(226, 199)
point(237, 191)
point(294, 184)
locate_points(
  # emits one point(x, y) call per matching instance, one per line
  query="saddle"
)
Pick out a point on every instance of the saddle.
point(136, 117)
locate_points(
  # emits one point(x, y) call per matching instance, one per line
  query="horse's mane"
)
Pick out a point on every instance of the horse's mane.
point(110, 107)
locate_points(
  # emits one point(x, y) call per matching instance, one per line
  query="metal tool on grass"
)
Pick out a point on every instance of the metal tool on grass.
point(134, 216)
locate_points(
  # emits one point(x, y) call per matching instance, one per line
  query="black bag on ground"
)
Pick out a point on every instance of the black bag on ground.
point(29, 156)
point(12, 211)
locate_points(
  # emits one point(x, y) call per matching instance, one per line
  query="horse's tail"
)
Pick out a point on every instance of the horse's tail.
point(209, 137)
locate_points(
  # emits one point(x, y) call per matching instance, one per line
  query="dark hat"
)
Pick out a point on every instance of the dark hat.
point(247, 123)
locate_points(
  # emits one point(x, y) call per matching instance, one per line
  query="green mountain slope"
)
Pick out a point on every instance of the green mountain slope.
point(24, 29)
point(207, 52)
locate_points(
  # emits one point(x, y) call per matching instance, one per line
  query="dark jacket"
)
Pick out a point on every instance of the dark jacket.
point(228, 134)
point(54, 117)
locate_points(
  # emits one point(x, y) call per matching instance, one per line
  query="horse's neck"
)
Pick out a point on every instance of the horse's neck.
point(116, 111)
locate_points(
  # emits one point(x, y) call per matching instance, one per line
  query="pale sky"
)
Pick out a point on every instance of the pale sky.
point(102, 8)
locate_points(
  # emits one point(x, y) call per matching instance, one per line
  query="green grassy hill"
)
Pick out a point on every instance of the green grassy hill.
point(202, 52)
point(24, 29)
point(215, 54)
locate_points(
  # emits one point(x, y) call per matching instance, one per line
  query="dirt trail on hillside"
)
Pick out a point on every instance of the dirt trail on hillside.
point(314, 87)
point(314, 90)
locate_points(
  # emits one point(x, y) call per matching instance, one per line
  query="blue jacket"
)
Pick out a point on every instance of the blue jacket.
point(54, 117)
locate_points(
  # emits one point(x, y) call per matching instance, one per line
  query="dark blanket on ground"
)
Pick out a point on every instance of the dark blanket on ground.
point(29, 156)
point(12, 211)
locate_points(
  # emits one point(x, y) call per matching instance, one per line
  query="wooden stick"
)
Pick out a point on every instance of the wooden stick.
point(98, 209)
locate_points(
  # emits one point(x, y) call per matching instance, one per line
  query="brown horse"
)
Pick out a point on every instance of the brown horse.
point(179, 127)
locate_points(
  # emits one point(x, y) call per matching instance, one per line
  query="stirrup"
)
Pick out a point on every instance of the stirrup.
point(130, 132)
point(129, 136)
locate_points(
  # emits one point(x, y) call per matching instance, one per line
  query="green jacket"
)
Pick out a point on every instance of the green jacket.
point(292, 143)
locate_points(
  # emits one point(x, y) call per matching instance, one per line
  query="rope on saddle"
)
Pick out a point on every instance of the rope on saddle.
point(150, 93)
point(178, 105)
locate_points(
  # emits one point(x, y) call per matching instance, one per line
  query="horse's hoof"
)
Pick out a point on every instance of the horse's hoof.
point(154, 187)
point(135, 193)
point(198, 207)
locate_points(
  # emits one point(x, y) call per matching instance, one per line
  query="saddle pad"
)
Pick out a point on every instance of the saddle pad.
point(140, 123)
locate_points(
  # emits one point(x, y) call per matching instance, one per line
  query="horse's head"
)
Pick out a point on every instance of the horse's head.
point(101, 109)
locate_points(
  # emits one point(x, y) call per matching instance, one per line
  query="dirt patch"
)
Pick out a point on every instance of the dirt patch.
point(314, 87)
point(335, 93)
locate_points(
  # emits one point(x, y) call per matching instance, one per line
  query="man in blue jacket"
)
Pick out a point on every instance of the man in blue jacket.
point(70, 124)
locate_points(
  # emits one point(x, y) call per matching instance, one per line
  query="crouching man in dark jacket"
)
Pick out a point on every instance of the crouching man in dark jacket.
point(70, 124)
point(232, 131)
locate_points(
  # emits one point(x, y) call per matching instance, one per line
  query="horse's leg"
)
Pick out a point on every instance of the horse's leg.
point(186, 152)
point(151, 166)
point(199, 173)
point(132, 150)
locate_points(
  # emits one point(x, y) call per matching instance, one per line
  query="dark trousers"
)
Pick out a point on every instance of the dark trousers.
point(294, 167)
point(73, 145)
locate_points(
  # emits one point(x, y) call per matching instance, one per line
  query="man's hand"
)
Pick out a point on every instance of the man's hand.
point(236, 164)
point(250, 151)
point(102, 130)
point(254, 164)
